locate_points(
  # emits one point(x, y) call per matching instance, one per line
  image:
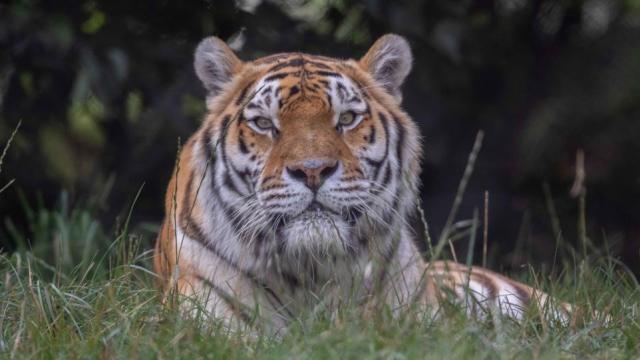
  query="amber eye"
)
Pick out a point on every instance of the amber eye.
point(263, 123)
point(346, 118)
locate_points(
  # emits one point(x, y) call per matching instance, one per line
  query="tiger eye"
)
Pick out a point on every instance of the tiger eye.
point(263, 123)
point(346, 118)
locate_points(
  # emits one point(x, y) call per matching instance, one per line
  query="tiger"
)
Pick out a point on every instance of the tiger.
point(295, 192)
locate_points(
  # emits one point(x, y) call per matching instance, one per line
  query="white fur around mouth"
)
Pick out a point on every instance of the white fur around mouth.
point(315, 211)
point(314, 216)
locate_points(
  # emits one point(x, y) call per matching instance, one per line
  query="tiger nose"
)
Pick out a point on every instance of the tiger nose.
point(313, 172)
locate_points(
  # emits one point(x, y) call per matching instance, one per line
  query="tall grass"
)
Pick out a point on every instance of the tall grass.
point(73, 291)
point(4, 154)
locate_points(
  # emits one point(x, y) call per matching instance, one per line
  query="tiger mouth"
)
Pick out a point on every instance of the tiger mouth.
point(316, 211)
point(319, 212)
point(316, 207)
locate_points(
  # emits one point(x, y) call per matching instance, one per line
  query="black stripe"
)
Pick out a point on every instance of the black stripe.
point(276, 76)
point(367, 110)
point(276, 206)
point(350, 178)
point(318, 64)
point(375, 165)
point(387, 175)
point(372, 135)
point(348, 189)
point(487, 283)
point(291, 280)
point(242, 146)
point(243, 93)
point(385, 127)
point(223, 140)
point(208, 149)
point(187, 194)
point(229, 164)
point(187, 206)
point(399, 144)
point(193, 231)
point(347, 199)
point(278, 196)
point(388, 214)
point(298, 61)
point(326, 73)
point(354, 99)
point(228, 182)
point(388, 254)
point(523, 295)
point(225, 124)
point(274, 186)
point(341, 91)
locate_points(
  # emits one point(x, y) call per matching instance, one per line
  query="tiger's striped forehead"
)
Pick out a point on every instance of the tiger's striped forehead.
point(297, 76)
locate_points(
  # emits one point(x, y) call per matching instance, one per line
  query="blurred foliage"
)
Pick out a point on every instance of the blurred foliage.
point(106, 88)
point(53, 235)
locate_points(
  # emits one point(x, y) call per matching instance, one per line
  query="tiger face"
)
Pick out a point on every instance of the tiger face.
point(311, 150)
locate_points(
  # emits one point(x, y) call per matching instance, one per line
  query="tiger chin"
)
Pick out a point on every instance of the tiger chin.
point(296, 188)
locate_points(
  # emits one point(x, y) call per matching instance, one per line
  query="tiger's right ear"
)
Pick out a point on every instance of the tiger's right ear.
point(215, 64)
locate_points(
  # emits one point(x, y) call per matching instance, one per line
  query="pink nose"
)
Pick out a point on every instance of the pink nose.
point(313, 172)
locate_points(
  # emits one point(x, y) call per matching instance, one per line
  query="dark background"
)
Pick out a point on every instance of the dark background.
point(105, 89)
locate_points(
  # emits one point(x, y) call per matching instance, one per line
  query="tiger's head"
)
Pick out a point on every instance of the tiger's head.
point(310, 153)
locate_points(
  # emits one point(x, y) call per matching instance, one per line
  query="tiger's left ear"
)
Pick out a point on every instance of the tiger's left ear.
point(389, 62)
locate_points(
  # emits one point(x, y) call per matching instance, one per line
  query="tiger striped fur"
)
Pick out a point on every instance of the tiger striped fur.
point(295, 190)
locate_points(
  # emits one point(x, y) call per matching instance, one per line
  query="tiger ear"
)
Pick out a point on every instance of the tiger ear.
point(215, 64)
point(389, 62)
